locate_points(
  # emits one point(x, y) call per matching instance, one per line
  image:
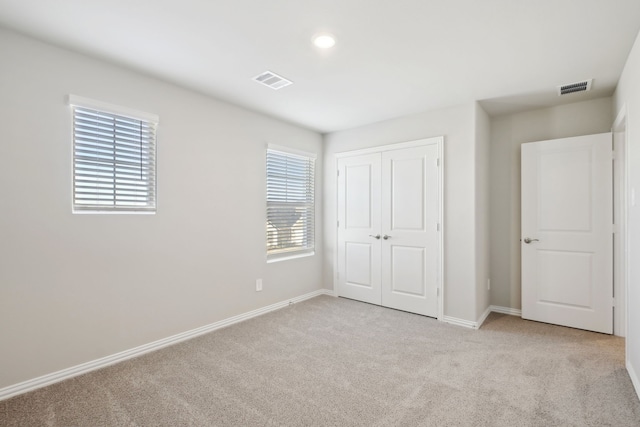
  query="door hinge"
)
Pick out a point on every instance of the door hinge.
point(338, 223)
point(437, 226)
point(613, 302)
point(437, 162)
point(338, 172)
point(438, 291)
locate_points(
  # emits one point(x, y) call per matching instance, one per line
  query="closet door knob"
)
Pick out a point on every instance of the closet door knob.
point(385, 237)
point(377, 236)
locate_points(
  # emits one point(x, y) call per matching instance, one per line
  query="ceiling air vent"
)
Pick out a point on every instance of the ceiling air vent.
point(575, 87)
point(272, 80)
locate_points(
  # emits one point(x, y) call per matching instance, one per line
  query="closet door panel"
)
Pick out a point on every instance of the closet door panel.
point(359, 224)
point(408, 192)
point(408, 268)
point(410, 242)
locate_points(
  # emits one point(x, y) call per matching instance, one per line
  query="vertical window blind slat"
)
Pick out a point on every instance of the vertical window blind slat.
point(290, 203)
point(114, 162)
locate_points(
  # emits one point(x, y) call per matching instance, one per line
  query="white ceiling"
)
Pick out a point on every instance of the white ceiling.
point(392, 58)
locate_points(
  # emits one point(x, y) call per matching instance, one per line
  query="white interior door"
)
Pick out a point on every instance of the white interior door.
point(359, 228)
point(410, 243)
point(567, 232)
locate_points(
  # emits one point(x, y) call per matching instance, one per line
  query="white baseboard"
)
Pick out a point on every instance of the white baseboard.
point(460, 322)
point(483, 317)
point(83, 368)
point(634, 378)
point(506, 310)
point(478, 324)
point(330, 292)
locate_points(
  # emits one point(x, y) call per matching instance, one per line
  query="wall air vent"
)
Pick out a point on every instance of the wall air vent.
point(272, 80)
point(582, 86)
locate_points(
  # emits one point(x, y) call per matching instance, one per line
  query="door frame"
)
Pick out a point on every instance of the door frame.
point(439, 141)
point(621, 244)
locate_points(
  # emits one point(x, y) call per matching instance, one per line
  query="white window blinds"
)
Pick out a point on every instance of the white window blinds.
point(290, 203)
point(114, 160)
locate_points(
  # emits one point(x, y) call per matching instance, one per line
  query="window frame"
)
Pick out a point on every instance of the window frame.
point(150, 158)
point(282, 254)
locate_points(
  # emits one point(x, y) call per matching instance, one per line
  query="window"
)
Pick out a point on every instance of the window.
point(114, 158)
point(290, 203)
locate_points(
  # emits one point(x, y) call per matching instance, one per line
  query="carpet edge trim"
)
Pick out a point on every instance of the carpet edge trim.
point(83, 368)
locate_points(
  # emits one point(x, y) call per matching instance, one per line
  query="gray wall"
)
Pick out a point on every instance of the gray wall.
point(456, 124)
point(482, 209)
point(75, 288)
point(627, 97)
point(507, 133)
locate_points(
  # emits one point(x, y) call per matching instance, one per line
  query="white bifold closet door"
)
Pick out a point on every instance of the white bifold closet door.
point(359, 228)
point(388, 228)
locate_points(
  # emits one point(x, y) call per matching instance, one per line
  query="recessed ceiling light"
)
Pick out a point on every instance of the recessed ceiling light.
point(324, 41)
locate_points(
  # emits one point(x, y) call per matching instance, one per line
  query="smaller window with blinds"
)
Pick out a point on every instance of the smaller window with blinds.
point(290, 203)
point(114, 158)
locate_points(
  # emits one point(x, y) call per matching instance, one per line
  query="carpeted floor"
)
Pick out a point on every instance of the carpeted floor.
point(336, 362)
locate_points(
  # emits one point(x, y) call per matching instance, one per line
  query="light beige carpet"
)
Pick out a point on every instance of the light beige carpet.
point(336, 362)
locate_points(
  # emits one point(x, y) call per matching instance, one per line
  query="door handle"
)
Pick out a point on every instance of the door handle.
point(377, 236)
point(528, 240)
point(385, 237)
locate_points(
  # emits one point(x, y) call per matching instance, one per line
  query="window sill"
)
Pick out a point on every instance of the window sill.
point(286, 257)
point(114, 212)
